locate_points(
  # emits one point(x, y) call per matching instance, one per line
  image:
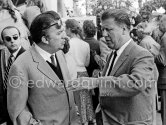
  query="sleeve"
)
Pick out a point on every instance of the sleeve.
point(141, 77)
point(17, 96)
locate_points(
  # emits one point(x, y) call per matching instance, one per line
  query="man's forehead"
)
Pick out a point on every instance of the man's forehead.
point(110, 22)
point(10, 31)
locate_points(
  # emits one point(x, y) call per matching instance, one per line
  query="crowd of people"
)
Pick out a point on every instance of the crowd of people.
point(61, 74)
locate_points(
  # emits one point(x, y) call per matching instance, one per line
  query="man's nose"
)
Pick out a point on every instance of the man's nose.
point(12, 40)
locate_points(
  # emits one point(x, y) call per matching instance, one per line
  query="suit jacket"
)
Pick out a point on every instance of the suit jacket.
point(40, 96)
point(126, 96)
point(4, 55)
point(150, 44)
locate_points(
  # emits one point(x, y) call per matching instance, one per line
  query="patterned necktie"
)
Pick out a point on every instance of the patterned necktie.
point(112, 63)
point(10, 62)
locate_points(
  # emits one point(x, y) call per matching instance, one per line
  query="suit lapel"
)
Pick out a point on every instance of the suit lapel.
point(20, 51)
point(122, 58)
point(42, 66)
point(63, 66)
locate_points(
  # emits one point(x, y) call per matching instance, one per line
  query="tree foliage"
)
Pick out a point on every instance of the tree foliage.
point(106, 4)
point(156, 4)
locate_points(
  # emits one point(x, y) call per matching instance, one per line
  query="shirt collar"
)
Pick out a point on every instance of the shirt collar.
point(46, 56)
point(119, 51)
point(16, 52)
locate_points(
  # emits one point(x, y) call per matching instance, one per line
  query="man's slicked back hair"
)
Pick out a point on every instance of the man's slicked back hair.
point(41, 23)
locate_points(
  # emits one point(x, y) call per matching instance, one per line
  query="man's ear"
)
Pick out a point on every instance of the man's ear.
point(124, 29)
point(44, 40)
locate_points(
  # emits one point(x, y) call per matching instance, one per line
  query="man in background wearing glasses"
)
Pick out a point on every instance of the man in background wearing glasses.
point(11, 39)
point(37, 94)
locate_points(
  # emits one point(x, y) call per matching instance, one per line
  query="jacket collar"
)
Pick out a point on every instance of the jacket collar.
point(45, 69)
point(120, 60)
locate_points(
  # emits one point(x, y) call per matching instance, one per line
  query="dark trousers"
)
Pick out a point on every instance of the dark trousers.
point(99, 120)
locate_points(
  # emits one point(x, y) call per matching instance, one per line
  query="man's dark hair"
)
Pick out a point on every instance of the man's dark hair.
point(89, 28)
point(41, 23)
point(119, 15)
point(9, 27)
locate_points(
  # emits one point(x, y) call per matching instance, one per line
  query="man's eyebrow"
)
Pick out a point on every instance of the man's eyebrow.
point(15, 34)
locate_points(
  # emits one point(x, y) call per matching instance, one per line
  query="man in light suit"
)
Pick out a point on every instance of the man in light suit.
point(127, 85)
point(37, 92)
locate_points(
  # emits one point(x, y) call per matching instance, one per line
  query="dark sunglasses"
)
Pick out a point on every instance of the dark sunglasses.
point(8, 38)
point(57, 24)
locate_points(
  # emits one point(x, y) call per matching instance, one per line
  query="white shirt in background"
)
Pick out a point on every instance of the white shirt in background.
point(80, 51)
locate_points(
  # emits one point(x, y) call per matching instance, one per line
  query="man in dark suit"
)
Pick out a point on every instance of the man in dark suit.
point(12, 40)
point(39, 95)
point(127, 85)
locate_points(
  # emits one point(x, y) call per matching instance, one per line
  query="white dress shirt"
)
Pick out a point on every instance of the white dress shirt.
point(15, 53)
point(119, 52)
point(46, 56)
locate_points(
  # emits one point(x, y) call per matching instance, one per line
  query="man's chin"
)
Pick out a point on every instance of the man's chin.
point(13, 50)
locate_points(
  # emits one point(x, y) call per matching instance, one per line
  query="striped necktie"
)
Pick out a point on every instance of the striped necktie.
point(10, 61)
point(112, 63)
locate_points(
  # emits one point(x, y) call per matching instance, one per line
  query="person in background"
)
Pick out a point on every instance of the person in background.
point(10, 16)
point(161, 65)
point(146, 41)
point(30, 13)
point(41, 4)
point(12, 40)
point(3, 112)
point(157, 34)
point(80, 51)
point(89, 31)
point(71, 64)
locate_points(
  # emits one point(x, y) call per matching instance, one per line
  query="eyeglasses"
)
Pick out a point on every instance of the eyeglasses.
point(8, 38)
point(58, 25)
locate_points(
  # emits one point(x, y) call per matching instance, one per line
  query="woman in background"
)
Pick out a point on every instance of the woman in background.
point(69, 60)
point(80, 51)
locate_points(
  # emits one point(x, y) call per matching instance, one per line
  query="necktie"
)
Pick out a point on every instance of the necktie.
point(112, 63)
point(10, 61)
point(53, 60)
